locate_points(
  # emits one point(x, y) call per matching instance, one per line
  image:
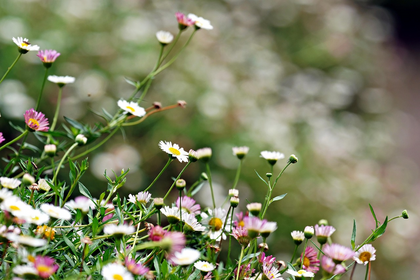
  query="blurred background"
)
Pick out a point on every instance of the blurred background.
point(332, 81)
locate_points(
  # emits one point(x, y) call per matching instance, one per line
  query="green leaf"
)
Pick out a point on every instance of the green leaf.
point(379, 231)
point(83, 190)
point(194, 275)
point(94, 226)
point(197, 189)
point(133, 83)
point(71, 245)
point(157, 267)
point(261, 178)
point(280, 197)
point(374, 215)
point(18, 128)
point(353, 235)
point(75, 124)
point(251, 256)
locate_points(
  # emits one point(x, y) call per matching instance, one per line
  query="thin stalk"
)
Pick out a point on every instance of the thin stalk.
point(146, 89)
point(42, 89)
point(230, 236)
point(151, 113)
point(211, 185)
point(62, 160)
point(160, 173)
point(240, 261)
point(179, 176)
point(352, 272)
point(10, 68)
point(367, 271)
point(294, 253)
point(171, 47)
point(57, 109)
point(224, 225)
point(238, 173)
point(180, 209)
point(14, 140)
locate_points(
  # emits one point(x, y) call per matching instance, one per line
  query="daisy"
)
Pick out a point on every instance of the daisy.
point(298, 236)
point(323, 232)
point(164, 37)
point(5, 194)
point(173, 241)
point(240, 222)
point(266, 261)
point(338, 252)
point(310, 261)
point(200, 22)
point(204, 154)
point(272, 157)
point(81, 202)
point(270, 272)
point(267, 228)
point(174, 150)
point(204, 266)
point(156, 233)
point(253, 225)
point(48, 56)
point(114, 271)
point(240, 152)
point(254, 208)
point(26, 240)
point(172, 214)
point(191, 222)
point(300, 273)
point(24, 45)
point(192, 156)
point(365, 254)
point(132, 108)
point(36, 120)
point(43, 185)
point(16, 206)
point(61, 80)
point(118, 230)
point(183, 21)
point(188, 205)
point(1, 137)
point(45, 266)
point(215, 221)
point(331, 267)
point(309, 232)
point(135, 268)
point(9, 183)
point(185, 257)
point(241, 234)
point(141, 197)
point(55, 211)
point(35, 217)
point(26, 271)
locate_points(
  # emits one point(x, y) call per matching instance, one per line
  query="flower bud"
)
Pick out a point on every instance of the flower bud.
point(234, 201)
point(180, 184)
point(81, 139)
point(269, 175)
point(281, 264)
point(28, 179)
point(298, 237)
point(404, 214)
point(323, 222)
point(43, 185)
point(233, 192)
point(263, 246)
point(240, 152)
point(50, 150)
point(204, 154)
point(254, 208)
point(309, 232)
point(158, 202)
point(293, 159)
point(192, 156)
point(204, 176)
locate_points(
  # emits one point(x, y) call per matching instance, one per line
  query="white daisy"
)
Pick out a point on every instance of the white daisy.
point(5, 194)
point(82, 203)
point(172, 213)
point(16, 206)
point(204, 266)
point(26, 240)
point(204, 153)
point(35, 217)
point(200, 22)
point(132, 108)
point(24, 45)
point(365, 254)
point(267, 228)
point(298, 236)
point(43, 185)
point(9, 183)
point(61, 80)
point(114, 271)
point(272, 157)
point(141, 197)
point(215, 221)
point(164, 37)
point(174, 150)
point(300, 273)
point(185, 257)
point(240, 152)
point(118, 230)
point(56, 212)
point(191, 222)
point(26, 271)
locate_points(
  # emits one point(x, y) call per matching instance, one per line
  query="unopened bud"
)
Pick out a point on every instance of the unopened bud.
point(263, 246)
point(180, 184)
point(204, 154)
point(309, 232)
point(204, 176)
point(182, 103)
point(81, 139)
point(234, 201)
point(281, 264)
point(157, 105)
point(233, 192)
point(158, 202)
point(192, 156)
point(293, 159)
point(404, 214)
point(269, 175)
point(50, 150)
point(28, 179)
point(323, 222)
point(254, 208)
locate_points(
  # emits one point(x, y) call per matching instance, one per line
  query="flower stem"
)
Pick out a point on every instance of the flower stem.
point(294, 254)
point(180, 209)
point(171, 47)
point(238, 173)
point(179, 176)
point(240, 261)
point(211, 185)
point(62, 160)
point(10, 68)
point(14, 140)
point(367, 271)
point(352, 272)
point(42, 89)
point(57, 109)
point(160, 173)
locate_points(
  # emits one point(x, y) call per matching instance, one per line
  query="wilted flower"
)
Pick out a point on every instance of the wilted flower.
point(61, 80)
point(365, 254)
point(174, 150)
point(114, 271)
point(24, 45)
point(204, 266)
point(164, 37)
point(36, 120)
point(272, 157)
point(185, 257)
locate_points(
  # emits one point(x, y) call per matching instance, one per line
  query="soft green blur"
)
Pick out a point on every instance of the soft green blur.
point(301, 77)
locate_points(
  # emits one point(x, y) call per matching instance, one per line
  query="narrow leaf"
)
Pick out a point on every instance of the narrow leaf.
point(379, 231)
point(261, 178)
point(280, 197)
point(194, 275)
point(83, 190)
point(374, 215)
point(75, 124)
point(353, 235)
point(71, 245)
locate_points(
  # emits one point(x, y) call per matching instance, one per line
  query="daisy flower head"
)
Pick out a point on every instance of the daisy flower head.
point(200, 23)
point(61, 80)
point(192, 155)
point(186, 257)
point(26, 271)
point(188, 205)
point(171, 213)
point(215, 221)
point(56, 212)
point(240, 152)
point(204, 266)
point(298, 236)
point(26, 240)
point(272, 157)
point(48, 57)
point(183, 20)
point(300, 273)
point(310, 261)
point(10, 183)
point(43, 185)
point(132, 108)
point(82, 203)
point(45, 266)
point(253, 225)
point(240, 221)
point(254, 208)
point(191, 222)
point(241, 234)
point(1, 137)
point(24, 45)
point(331, 267)
point(173, 241)
point(270, 272)
point(267, 228)
point(118, 230)
point(309, 232)
point(365, 254)
point(322, 233)
point(113, 271)
point(164, 37)
point(338, 253)
point(174, 151)
point(16, 206)
point(135, 268)
point(204, 154)
point(36, 121)
point(141, 197)
point(5, 194)
point(266, 261)
point(35, 217)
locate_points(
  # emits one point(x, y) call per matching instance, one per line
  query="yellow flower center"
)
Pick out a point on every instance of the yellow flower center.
point(33, 122)
point(216, 223)
point(174, 151)
point(52, 212)
point(14, 207)
point(117, 277)
point(306, 262)
point(31, 258)
point(131, 109)
point(301, 272)
point(365, 256)
point(25, 44)
point(241, 224)
point(43, 268)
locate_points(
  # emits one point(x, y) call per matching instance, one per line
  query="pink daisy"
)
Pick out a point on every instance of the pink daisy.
point(156, 233)
point(338, 253)
point(310, 262)
point(241, 234)
point(135, 268)
point(176, 241)
point(45, 266)
point(329, 266)
point(48, 56)
point(36, 120)
point(1, 137)
point(266, 261)
point(188, 204)
point(183, 20)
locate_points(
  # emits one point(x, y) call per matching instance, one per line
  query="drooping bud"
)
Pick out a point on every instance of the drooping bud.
point(81, 139)
point(293, 159)
point(28, 179)
point(404, 214)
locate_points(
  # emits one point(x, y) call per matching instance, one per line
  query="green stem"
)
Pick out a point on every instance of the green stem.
point(62, 160)
point(160, 173)
point(238, 173)
point(179, 176)
point(367, 271)
point(14, 140)
point(146, 89)
point(239, 264)
point(42, 89)
point(57, 109)
point(10, 68)
point(171, 47)
point(180, 209)
point(294, 254)
point(211, 185)
point(71, 189)
point(224, 225)
point(230, 236)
